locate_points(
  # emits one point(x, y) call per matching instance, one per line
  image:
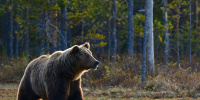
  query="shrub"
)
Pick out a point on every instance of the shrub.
point(11, 70)
point(182, 81)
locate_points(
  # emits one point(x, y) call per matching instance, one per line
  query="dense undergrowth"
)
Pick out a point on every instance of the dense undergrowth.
point(11, 70)
point(183, 80)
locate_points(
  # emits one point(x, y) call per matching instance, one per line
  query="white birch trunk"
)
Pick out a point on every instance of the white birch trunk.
point(114, 40)
point(166, 40)
point(149, 31)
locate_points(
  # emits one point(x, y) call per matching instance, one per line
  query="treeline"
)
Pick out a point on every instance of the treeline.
point(31, 28)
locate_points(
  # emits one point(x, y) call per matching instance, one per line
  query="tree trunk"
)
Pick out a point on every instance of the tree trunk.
point(144, 58)
point(130, 29)
point(177, 29)
point(190, 36)
point(109, 40)
point(196, 25)
point(10, 44)
point(16, 29)
point(41, 27)
point(16, 41)
point(108, 35)
point(26, 40)
point(59, 36)
point(69, 36)
point(166, 39)
point(82, 30)
point(16, 46)
point(149, 31)
point(63, 28)
point(113, 23)
point(46, 44)
point(54, 32)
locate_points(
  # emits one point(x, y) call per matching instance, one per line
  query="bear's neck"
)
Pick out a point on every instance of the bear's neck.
point(78, 74)
point(70, 68)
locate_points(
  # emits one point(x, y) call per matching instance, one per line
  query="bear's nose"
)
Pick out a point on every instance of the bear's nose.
point(97, 62)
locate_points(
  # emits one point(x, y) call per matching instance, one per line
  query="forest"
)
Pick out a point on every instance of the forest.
point(146, 48)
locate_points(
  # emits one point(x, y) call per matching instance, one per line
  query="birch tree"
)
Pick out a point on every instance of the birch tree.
point(113, 31)
point(177, 30)
point(166, 38)
point(130, 28)
point(149, 31)
point(144, 58)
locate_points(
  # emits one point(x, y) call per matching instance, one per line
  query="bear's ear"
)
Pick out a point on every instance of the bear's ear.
point(75, 49)
point(87, 45)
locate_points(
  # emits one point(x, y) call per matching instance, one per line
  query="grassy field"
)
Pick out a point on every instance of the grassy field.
point(110, 98)
point(9, 91)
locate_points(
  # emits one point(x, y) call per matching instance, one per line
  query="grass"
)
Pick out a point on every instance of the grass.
point(9, 91)
point(111, 98)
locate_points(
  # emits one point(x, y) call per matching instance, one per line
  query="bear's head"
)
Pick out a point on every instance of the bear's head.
point(84, 55)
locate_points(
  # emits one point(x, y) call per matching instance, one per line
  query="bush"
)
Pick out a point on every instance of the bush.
point(182, 81)
point(11, 70)
point(119, 74)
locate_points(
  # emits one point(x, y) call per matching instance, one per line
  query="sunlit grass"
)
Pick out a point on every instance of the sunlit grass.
point(9, 92)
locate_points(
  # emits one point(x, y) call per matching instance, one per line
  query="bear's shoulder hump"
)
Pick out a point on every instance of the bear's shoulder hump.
point(56, 54)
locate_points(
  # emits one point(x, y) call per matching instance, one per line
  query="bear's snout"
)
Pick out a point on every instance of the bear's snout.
point(96, 64)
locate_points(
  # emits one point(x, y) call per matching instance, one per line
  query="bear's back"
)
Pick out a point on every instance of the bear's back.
point(56, 54)
point(38, 62)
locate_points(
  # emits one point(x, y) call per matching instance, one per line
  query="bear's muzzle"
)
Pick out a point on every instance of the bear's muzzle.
point(95, 64)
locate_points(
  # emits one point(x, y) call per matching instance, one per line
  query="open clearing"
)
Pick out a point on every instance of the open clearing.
point(9, 91)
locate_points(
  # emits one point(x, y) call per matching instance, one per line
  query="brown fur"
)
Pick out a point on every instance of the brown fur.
point(57, 76)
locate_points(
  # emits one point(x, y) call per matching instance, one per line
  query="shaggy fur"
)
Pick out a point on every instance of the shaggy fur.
point(57, 76)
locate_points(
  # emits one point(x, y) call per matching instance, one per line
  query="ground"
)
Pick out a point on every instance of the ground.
point(9, 91)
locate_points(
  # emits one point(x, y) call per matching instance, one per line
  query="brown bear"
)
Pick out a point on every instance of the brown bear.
point(57, 76)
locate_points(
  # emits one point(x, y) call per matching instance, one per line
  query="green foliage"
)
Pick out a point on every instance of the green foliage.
point(174, 9)
point(102, 44)
point(138, 25)
point(95, 36)
point(91, 19)
point(107, 73)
